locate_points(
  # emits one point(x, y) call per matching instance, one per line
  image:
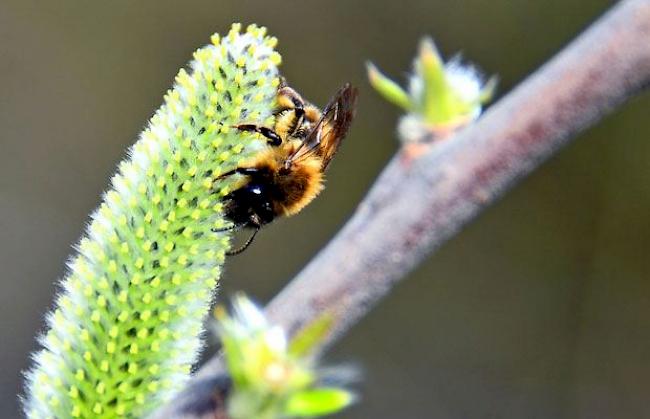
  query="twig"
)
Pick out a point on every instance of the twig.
point(420, 201)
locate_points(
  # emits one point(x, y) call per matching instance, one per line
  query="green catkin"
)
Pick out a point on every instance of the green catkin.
point(127, 324)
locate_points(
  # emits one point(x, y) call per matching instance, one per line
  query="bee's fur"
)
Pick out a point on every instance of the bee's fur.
point(288, 174)
point(294, 188)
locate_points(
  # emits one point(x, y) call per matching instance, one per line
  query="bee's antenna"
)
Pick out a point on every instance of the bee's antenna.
point(245, 245)
point(227, 228)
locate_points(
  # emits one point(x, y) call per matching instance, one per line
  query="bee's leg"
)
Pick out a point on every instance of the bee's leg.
point(272, 137)
point(245, 171)
point(227, 228)
point(249, 241)
point(300, 118)
point(290, 99)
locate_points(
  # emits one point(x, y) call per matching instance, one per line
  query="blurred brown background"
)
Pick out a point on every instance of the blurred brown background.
point(539, 309)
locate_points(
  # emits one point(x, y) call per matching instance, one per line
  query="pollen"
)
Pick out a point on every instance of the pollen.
point(101, 388)
point(133, 368)
point(164, 316)
point(164, 262)
point(98, 409)
point(136, 278)
point(276, 59)
point(164, 226)
point(235, 113)
point(182, 260)
point(272, 42)
point(101, 301)
point(176, 279)
point(123, 296)
point(253, 29)
point(234, 31)
point(123, 316)
point(239, 77)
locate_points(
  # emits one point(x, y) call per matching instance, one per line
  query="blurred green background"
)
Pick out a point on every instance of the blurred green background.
point(539, 309)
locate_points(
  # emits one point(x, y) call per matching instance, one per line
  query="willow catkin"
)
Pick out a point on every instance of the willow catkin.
point(127, 323)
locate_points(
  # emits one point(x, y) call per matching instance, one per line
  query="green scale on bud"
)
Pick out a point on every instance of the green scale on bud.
point(273, 377)
point(441, 97)
point(128, 323)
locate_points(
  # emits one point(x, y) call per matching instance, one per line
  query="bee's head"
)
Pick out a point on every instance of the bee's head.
point(250, 204)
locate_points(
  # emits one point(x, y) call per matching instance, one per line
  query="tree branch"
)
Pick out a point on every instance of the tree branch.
point(422, 199)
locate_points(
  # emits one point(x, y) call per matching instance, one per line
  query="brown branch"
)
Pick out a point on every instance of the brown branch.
point(420, 201)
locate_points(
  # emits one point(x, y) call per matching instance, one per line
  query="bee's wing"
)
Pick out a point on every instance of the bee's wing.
point(326, 136)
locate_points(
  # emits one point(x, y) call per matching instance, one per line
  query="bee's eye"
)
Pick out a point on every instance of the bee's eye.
point(256, 190)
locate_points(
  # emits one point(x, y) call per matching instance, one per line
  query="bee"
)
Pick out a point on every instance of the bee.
point(289, 172)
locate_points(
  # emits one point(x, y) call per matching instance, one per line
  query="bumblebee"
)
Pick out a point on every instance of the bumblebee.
point(288, 174)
